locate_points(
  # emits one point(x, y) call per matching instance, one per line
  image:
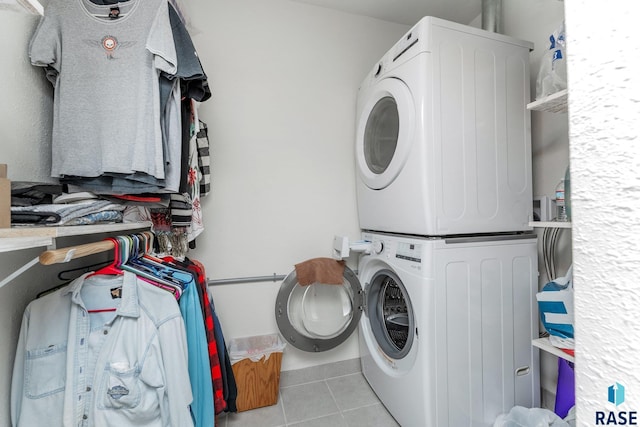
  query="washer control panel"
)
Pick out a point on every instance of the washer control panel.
point(409, 251)
point(392, 248)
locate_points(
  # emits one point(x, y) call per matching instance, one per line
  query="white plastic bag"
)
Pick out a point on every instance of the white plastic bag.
point(571, 417)
point(520, 416)
point(552, 76)
point(255, 347)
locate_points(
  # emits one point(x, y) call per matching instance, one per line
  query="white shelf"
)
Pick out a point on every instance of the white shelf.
point(25, 237)
point(550, 224)
point(554, 103)
point(545, 344)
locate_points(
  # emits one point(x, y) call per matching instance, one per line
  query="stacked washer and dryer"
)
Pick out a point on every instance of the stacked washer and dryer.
point(444, 300)
point(444, 189)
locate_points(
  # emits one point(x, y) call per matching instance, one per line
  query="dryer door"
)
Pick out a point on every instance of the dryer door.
point(318, 317)
point(385, 130)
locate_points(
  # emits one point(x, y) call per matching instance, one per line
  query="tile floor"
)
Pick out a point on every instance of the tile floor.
point(335, 395)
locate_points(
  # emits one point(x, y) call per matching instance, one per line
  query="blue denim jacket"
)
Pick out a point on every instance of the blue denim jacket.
point(129, 371)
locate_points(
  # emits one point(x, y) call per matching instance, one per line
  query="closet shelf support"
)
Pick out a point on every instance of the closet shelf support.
point(19, 271)
point(16, 238)
point(55, 256)
point(50, 243)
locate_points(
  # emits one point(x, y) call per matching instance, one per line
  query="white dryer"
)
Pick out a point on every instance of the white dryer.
point(445, 325)
point(443, 140)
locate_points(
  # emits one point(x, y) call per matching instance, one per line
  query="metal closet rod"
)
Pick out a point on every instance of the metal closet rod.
point(66, 254)
point(254, 279)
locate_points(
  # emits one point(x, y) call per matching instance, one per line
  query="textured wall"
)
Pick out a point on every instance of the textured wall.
point(604, 81)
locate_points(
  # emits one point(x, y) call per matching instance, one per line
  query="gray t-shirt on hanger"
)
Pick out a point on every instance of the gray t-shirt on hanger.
point(106, 101)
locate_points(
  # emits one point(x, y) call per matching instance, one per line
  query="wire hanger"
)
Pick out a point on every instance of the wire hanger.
point(74, 273)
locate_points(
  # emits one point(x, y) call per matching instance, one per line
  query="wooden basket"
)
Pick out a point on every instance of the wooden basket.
point(258, 382)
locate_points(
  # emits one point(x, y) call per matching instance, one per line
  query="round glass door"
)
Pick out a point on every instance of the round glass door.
point(385, 130)
point(381, 135)
point(390, 314)
point(318, 317)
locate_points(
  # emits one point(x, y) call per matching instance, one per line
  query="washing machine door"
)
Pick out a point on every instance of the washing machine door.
point(390, 314)
point(385, 130)
point(319, 317)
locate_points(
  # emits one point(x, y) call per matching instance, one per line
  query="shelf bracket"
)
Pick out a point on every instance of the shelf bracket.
point(27, 266)
point(15, 239)
point(19, 271)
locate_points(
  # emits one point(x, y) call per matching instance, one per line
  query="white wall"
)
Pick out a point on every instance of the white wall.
point(535, 21)
point(25, 123)
point(604, 107)
point(26, 103)
point(284, 77)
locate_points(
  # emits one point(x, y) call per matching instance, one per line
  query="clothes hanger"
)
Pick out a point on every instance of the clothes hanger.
point(67, 280)
point(102, 310)
point(149, 239)
point(113, 268)
point(155, 263)
point(48, 291)
point(132, 257)
point(157, 273)
point(122, 248)
point(114, 10)
point(74, 273)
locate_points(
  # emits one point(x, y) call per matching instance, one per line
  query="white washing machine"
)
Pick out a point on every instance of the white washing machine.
point(446, 340)
point(445, 325)
point(443, 141)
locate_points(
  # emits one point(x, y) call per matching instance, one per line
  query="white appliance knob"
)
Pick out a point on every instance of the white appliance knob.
point(378, 247)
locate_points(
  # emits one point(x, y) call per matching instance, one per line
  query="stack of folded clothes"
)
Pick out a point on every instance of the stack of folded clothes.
point(34, 203)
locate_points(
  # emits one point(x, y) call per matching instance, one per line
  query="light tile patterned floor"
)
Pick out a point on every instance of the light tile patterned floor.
point(335, 395)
